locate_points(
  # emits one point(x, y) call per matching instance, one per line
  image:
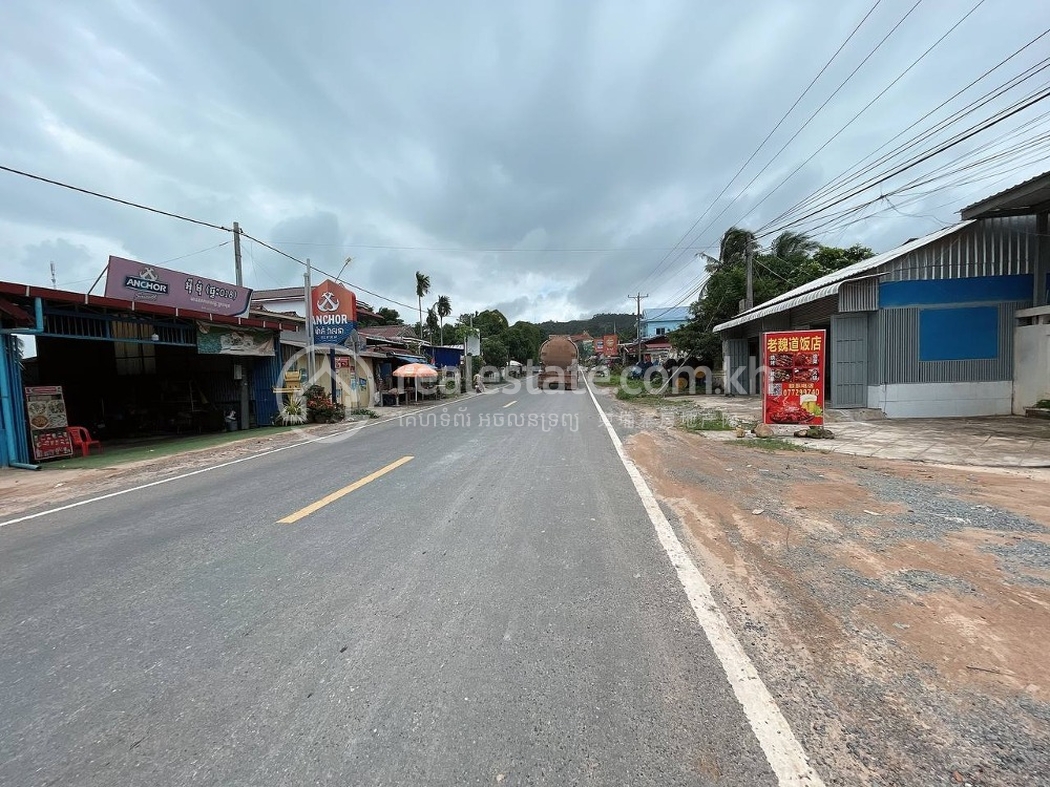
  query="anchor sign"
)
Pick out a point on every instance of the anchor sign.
point(334, 312)
point(327, 302)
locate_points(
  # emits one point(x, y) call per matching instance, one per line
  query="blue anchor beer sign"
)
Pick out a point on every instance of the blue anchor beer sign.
point(334, 311)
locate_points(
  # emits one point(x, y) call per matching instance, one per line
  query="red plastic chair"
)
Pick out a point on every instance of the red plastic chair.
point(82, 439)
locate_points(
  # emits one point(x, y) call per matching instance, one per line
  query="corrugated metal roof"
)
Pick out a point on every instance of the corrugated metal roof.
point(829, 285)
point(1022, 196)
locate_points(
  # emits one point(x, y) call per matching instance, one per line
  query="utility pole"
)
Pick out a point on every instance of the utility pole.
point(309, 323)
point(54, 285)
point(245, 394)
point(638, 322)
point(237, 253)
point(749, 256)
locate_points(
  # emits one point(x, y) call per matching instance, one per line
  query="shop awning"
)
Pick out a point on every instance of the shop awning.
point(411, 358)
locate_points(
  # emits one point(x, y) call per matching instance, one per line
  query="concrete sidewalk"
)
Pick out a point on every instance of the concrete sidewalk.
point(995, 441)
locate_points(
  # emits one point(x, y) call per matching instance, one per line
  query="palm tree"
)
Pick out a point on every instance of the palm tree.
point(432, 323)
point(422, 288)
point(734, 245)
point(791, 245)
point(444, 309)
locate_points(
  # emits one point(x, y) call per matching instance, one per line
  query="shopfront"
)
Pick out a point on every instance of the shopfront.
point(131, 369)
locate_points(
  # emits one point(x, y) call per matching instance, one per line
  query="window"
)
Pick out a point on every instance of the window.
point(134, 357)
point(660, 331)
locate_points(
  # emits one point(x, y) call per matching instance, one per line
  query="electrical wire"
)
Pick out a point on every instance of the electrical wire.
point(194, 253)
point(863, 109)
point(180, 217)
point(852, 173)
point(663, 261)
point(128, 203)
point(921, 158)
point(276, 250)
point(809, 120)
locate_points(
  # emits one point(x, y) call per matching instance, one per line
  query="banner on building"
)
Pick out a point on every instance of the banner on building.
point(611, 342)
point(48, 422)
point(334, 311)
point(794, 377)
point(229, 340)
point(129, 280)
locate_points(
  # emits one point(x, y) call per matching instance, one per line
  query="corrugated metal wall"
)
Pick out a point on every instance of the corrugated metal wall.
point(897, 337)
point(266, 375)
point(816, 312)
point(734, 353)
point(859, 296)
point(18, 427)
point(849, 360)
point(990, 247)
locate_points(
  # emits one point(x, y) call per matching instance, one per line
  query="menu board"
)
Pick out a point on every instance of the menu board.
point(794, 366)
point(47, 422)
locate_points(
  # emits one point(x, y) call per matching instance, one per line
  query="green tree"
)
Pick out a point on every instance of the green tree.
point(490, 322)
point(422, 288)
point(390, 316)
point(523, 340)
point(494, 352)
point(732, 249)
point(432, 323)
point(793, 260)
point(444, 309)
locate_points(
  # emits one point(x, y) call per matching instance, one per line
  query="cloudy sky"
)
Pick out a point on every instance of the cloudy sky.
point(541, 157)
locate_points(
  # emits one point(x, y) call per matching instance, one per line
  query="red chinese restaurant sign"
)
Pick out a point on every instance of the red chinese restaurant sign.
point(794, 378)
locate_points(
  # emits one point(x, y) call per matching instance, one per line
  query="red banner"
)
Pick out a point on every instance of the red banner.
point(794, 377)
point(611, 344)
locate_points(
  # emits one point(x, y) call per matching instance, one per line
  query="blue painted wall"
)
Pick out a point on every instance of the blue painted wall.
point(963, 334)
point(973, 290)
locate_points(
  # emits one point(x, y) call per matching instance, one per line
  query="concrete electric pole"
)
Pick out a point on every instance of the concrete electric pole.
point(749, 256)
point(638, 322)
point(237, 254)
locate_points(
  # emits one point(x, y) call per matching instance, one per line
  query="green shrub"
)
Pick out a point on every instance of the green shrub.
point(320, 408)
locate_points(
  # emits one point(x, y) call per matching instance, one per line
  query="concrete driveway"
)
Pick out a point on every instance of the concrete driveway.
point(994, 441)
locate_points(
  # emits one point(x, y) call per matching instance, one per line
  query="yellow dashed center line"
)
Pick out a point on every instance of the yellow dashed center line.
point(317, 506)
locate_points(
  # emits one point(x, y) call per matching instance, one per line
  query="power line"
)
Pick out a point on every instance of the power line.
point(113, 199)
point(478, 250)
point(276, 250)
point(180, 217)
point(959, 138)
point(810, 119)
point(863, 109)
point(194, 253)
point(852, 173)
point(662, 262)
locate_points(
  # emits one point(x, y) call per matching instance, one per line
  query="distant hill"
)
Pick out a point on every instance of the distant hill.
point(598, 325)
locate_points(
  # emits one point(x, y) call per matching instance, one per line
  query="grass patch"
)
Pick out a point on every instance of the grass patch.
point(605, 382)
point(708, 422)
point(363, 412)
point(771, 444)
point(1043, 404)
point(641, 398)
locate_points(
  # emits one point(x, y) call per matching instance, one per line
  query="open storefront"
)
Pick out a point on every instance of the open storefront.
point(130, 369)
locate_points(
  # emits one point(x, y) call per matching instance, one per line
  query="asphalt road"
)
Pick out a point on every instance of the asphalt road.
point(495, 610)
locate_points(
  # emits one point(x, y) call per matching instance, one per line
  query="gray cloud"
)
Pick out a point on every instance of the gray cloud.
point(538, 156)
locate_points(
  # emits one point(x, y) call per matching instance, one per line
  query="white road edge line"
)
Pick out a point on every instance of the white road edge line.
point(119, 492)
point(784, 753)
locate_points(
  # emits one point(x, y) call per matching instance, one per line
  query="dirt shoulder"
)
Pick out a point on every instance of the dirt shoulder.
point(900, 612)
